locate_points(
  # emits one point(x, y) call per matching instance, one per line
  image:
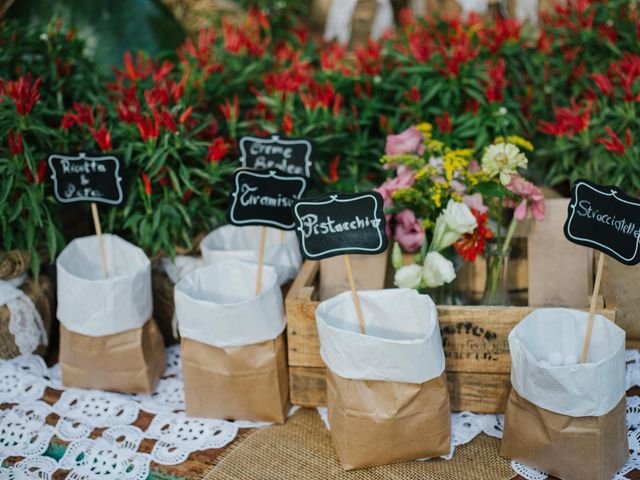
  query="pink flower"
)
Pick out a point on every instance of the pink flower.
point(409, 141)
point(532, 199)
point(475, 202)
point(409, 232)
point(405, 177)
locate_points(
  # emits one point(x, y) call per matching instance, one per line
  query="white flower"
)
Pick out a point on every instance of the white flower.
point(503, 159)
point(409, 276)
point(452, 223)
point(437, 270)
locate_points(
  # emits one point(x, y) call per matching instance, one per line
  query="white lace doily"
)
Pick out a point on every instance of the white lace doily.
point(24, 431)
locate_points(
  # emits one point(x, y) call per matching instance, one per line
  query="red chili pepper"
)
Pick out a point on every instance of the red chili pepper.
point(147, 183)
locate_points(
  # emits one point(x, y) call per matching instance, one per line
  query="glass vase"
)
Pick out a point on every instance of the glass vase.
point(496, 290)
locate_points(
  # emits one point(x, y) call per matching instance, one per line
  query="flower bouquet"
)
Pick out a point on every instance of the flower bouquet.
point(446, 207)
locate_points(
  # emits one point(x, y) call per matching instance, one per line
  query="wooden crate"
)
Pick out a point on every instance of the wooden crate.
point(474, 340)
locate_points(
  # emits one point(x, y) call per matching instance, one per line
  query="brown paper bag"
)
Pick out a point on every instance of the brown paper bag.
point(377, 423)
point(560, 272)
point(247, 383)
point(369, 272)
point(128, 362)
point(620, 291)
point(571, 448)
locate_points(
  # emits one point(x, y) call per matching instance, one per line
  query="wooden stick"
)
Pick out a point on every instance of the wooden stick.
point(263, 239)
point(592, 309)
point(96, 224)
point(354, 293)
point(282, 233)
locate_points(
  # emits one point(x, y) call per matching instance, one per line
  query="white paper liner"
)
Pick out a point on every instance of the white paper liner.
point(217, 305)
point(242, 243)
point(89, 303)
point(590, 389)
point(402, 341)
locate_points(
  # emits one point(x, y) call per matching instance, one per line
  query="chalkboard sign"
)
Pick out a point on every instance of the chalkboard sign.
point(339, 224)
point(84, 178)
point(604, 218)
point(264, 197)
point(290, 155)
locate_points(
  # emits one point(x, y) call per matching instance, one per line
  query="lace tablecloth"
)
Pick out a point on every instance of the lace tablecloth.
point(116, 436)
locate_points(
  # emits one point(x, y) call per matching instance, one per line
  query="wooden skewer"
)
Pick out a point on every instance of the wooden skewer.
point(96, 224)
point(592, 309)
point(263, 239)
point(354, 293)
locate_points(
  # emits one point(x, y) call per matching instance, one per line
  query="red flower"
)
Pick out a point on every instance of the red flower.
point(185, 115)
point(494, 89)
point(413, 94)
point(369, 57)
point(15, 143)
point(502, 31)
point(102, 136)
point(41, 170)
point(337, 104)
point(138, 71)
point(331, 57)
point(24, 93)
point(217, 150)
point(626, 71)
point(146, 182)
point(614, 145)
point(80, 115)
point(333, 168)
point(287, 124)
point(444, 123)
point(168, 121)
point(421, 44)
point(472, 244)
point(230, 110)
point(148, 127)
point(568, 121)
point(603, 82)
point(460, 52)
point(187, 196)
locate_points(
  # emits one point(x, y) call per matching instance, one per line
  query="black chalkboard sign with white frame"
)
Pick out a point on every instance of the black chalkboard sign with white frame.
point(86, 178)
point(289, 155)
point(606, 219)
point(264, 197)
point(341, 224)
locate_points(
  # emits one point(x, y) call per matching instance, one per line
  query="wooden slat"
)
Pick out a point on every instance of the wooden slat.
point(481, 393)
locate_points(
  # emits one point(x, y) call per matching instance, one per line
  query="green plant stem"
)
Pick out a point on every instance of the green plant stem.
point(510, 232)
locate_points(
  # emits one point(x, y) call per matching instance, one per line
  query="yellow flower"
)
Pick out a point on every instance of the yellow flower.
point(425, 129)
point(516, 140)
point(434, 146)
point(503, 159)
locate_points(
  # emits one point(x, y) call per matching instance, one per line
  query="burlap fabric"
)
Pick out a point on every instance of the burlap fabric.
point(620, 291)
point(14, 263)
point(42, 294)
point(302, 449)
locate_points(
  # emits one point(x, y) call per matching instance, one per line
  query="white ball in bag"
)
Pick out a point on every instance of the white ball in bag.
point(570, 359)
point(555, 359)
